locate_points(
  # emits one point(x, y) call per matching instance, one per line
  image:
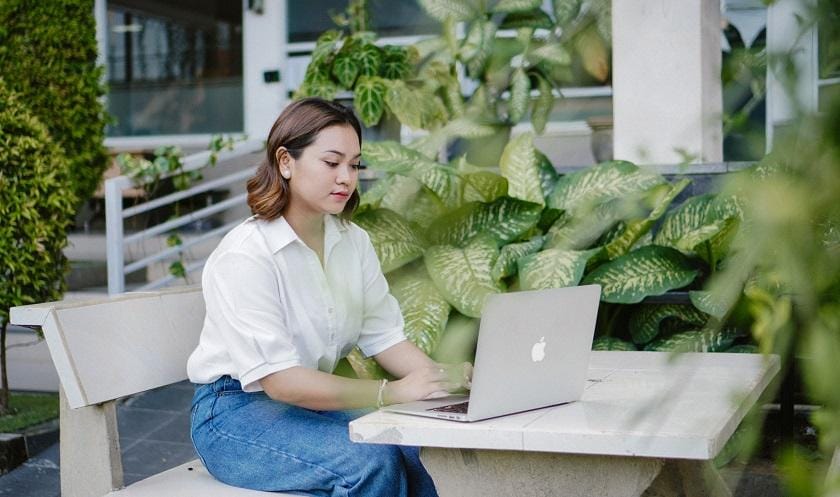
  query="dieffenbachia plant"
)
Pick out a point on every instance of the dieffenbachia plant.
point(449, 235)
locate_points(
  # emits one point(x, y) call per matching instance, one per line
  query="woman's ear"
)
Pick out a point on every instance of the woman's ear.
point(282, 156)
point(284, 160)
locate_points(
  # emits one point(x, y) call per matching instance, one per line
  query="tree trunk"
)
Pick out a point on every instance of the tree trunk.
point(4, 379)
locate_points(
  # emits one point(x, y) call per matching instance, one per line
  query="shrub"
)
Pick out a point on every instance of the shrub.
point(48, 55)
point(36, 205)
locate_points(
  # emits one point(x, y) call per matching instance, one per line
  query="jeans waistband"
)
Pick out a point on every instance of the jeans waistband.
point(226, 384)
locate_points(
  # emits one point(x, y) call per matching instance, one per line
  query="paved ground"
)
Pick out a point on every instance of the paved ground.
point(154, 436)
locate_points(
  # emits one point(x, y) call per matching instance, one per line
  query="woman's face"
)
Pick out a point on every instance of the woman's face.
point(325, 175)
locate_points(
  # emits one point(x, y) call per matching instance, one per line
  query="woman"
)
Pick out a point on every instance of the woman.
point(288, 293)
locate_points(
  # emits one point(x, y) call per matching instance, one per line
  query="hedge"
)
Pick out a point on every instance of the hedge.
point(48, 56)
point(36, 206)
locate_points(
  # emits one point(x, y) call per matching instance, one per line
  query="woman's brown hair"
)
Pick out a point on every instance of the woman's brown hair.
point(295, 129)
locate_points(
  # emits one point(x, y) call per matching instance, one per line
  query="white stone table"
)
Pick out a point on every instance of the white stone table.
point(648, 424)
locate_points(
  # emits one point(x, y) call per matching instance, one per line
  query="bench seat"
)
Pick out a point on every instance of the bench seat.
point(187, 480)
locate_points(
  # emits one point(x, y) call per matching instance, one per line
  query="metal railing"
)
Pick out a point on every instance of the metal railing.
point(115, 216)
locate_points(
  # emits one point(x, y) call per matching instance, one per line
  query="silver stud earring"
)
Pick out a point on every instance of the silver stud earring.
point(286, 174)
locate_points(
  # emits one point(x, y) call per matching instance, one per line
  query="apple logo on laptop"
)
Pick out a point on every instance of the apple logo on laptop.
point(538, 350)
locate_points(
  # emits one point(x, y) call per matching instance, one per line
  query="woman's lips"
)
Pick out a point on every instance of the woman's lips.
point(341, 194)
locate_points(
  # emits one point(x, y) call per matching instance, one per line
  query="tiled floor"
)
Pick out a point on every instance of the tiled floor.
point(154, 436)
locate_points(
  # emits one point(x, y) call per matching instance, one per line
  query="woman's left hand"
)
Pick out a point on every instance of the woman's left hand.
point(459, 375)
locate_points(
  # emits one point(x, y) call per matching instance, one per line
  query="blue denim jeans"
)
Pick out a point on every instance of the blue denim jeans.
point(249, 440)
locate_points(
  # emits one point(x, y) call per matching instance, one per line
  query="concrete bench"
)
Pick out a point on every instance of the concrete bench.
point(109, 348)
point(648, 424)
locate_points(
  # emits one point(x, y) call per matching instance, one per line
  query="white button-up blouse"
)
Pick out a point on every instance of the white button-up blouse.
point(270, 305)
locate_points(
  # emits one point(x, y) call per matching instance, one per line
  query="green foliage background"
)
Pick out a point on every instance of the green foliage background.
point(48, 55)
point(37, 202)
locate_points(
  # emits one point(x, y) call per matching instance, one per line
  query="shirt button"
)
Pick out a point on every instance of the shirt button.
point(331, 310)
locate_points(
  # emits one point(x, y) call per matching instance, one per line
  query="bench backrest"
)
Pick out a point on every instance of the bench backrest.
point(108, 348)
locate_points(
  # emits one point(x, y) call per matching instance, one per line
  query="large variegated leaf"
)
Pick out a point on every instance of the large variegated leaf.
point(375, 193)
point(702, 225)
point(392, 237)
point(600, 183)
point(478, 45)
point(552, 268)
point(696, 341)
point(520, 92)
point(543, 105)
point(369, 59)
point(395, 63)
point(392, 157)
point(414, 107)
point(466, 127)
point(484, 186)
point(463, 274)
point(324, 46)
point(457, 10)
point(548, 175)
point(506, 218)
point(651, 270)
point(646, 322)
point(403, 196)
point(581, 231)
point(424, 309)
point(506, 264)
point(345, 68)
point(516, 5)
point(369, 99)
point(366, 369)
point(553, 53)
point(459, 340)
point(444, 181)
point(709, 303)
point(636, 228)
point(519, 165)
point(612, 343)
point(424, 208)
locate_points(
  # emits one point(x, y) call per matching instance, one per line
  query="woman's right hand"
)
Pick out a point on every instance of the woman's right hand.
point(423, 383)
point(429, 383)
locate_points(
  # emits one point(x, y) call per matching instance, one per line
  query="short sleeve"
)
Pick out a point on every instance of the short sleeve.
point(382, 322)
point(242, 297)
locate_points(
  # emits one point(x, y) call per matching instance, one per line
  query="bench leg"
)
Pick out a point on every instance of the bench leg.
point(483, 473)
point(90, 451)
point(688, 479)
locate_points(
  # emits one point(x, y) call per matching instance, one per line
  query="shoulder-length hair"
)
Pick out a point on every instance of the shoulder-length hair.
point(295, 129)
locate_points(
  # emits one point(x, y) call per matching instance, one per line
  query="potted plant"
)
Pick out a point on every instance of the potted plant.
point(348, 64)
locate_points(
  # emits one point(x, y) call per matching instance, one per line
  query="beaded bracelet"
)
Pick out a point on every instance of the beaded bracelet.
point(380, 395)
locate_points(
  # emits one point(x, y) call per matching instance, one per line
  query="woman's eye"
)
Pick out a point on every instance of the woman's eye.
point(331, 164)
point(358, 166)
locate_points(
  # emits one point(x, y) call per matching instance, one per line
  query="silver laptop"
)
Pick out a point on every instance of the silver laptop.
point(533, 351)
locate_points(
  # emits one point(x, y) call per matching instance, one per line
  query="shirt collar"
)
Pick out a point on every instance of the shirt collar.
point(279, 233)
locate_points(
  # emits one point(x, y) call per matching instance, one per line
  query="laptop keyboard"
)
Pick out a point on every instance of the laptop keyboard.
point(459, 408)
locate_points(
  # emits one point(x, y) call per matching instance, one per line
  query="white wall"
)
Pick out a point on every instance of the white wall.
point(263, 36)
point(667, 99)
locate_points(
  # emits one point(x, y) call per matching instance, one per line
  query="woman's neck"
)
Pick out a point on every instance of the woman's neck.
point(309, 227)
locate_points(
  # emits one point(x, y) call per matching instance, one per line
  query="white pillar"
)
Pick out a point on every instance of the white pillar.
point(667, 98)
point(787, 37)
point(263, 38)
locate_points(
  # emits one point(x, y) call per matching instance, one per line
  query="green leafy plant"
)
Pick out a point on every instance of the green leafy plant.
point(459, 233)
point(37, 201)
point(48, 55)
point(349, 60)
point(505, 67)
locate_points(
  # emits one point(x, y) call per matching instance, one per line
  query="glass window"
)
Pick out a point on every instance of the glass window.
point(307, 20)
point(174, 67)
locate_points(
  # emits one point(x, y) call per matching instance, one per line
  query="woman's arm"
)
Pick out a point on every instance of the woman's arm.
point(403, 358)
point(313, 389)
